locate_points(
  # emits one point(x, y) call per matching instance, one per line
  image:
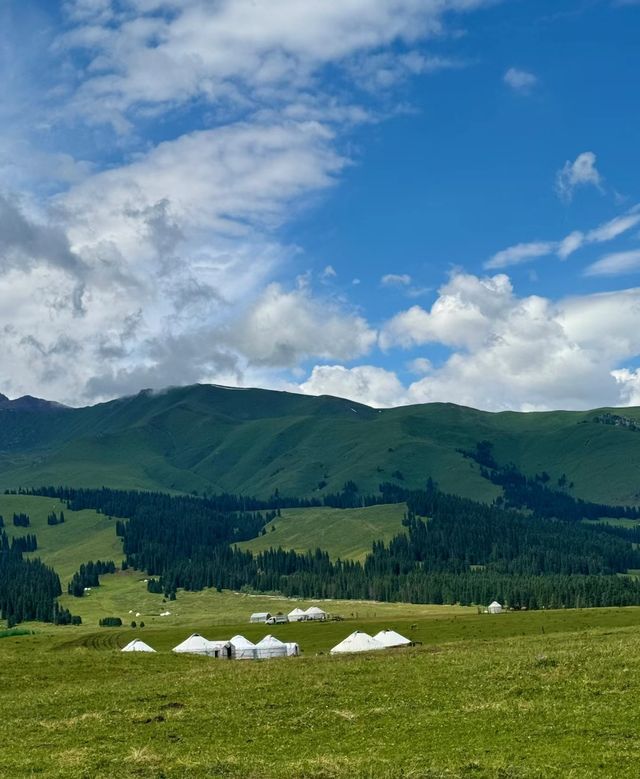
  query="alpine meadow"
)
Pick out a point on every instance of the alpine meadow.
point(319, 389)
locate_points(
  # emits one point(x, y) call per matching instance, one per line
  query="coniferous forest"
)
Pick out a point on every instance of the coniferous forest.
point(527, 553)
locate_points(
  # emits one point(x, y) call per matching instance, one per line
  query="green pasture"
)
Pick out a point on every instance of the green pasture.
point(558, 704)
point(344, 533)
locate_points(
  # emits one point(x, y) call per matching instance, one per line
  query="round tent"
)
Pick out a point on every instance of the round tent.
point(313, 612)
point(196, 645)
point(494, 608)
point(296, 615)
point(137, 646)
point(390, 638)
point(270, 647)
point(357, 642)
point(242, 648)
point(293, 649)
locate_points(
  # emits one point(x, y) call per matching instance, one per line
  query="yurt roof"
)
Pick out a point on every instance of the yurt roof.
point(391, 638)
point(137, 646)
point(495, 603)
point(241, 641)
point(357, 642)
point(269, 641)
point(195, 641)
point(314, 610)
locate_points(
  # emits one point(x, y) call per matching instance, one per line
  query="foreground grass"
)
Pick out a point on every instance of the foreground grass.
point(561, 705)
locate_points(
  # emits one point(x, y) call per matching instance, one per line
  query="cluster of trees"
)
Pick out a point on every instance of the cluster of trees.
point(110, 622)
point(28, 589)
point(55, 519)
point(28, 543)
point(88, 576)
point(21, 520)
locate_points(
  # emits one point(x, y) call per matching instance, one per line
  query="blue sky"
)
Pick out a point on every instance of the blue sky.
point(397, 201)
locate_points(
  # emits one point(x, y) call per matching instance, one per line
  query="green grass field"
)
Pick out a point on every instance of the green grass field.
point(347, 534)
point(465, 704)
point(85, 535)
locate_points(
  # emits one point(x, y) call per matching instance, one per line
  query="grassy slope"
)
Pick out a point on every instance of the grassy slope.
point(84, 536)
point(347, 534)
point(252, 441)
point(553, 705)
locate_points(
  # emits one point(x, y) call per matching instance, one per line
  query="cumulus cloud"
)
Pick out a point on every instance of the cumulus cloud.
point(520, 80)
point(283, 328)
point(365, 383)
point(582, 172)
point(518, 352)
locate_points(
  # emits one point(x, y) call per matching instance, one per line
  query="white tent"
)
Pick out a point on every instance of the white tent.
point(242, 648)
point(270, 647)
point(260, 616)
point(293, 649)
point(137, 646)
point(221, 649)
point(297, 615)
point(357, 642)
point(390, 638)
point(196, 645)
point(494, 608)
point(313, 612)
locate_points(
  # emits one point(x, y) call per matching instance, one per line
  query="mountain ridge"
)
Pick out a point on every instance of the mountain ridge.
point(209, 438)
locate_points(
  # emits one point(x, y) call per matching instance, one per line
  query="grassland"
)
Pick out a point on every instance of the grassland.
point(558, 704)
point(213, 439)
point(85, 535)
point(347, 534)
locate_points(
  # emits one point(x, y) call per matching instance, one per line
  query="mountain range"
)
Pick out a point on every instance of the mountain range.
point(206, 438)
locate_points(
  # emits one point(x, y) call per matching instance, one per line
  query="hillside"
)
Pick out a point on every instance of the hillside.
point(212, 439)
point(344, 533)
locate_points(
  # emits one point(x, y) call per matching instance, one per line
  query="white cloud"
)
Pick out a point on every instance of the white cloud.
point(616, 264)
point(582, 172)
point(522, 353)
point(240, 51)
point(520, 80)
point(366, 384)
point(524, 252)
point(329, 272)
point(283, 328)
point(396, 280)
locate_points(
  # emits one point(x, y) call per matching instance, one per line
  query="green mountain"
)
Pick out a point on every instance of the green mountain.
point(213, 439)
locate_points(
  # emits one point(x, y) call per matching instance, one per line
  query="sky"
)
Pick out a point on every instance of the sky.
point(393, 201)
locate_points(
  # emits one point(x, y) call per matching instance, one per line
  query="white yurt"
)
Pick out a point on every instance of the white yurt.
point(494, 608)
point(242, 648)
point(259, 616)
point(137, 646)
point(293, 649)
point(390, 638)
point(221, 649)
point(297, 615)
point(357, 642)
point(196, 645)
point(270, 647)
point(313, 612)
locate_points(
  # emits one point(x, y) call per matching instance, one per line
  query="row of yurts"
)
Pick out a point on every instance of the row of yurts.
point(240, 648)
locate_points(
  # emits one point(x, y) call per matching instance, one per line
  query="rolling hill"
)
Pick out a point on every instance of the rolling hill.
point(211, 439)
